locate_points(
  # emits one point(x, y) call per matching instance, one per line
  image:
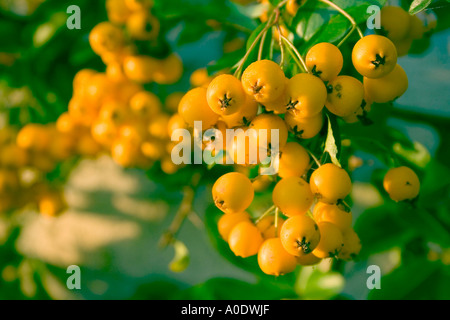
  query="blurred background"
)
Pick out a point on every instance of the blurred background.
point(116, 217)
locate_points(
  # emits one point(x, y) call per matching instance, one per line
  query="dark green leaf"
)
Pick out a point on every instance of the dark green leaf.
point(191, 32)
point(380, 229)
point(233, 289)
point(405, 280)
point(226, 62)
point(373, 147)
point(317, 22)
point(156, 290)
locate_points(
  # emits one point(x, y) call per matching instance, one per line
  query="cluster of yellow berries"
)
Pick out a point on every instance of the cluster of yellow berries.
point(114, 41)
point(305, 237)
point(120, 117)
point(227, 102)
point(119, 114)
point(264, 98)
point(109, 111)
point(402, 28)
point(25, 158)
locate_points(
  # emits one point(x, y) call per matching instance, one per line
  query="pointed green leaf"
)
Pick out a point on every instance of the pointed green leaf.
point(332, 143)
point(418, 6)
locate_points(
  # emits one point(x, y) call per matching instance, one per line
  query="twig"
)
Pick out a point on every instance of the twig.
point(195, 219)
point(184, 210)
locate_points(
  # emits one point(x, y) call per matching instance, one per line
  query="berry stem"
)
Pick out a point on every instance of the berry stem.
point(273, 19)
point(277, 212)
point(293, 49)
point(280, 43)
point(266, 213)
point(272, 45)
point(314, 158)
point(241, 62)
point(261, 46)
point(349, 17)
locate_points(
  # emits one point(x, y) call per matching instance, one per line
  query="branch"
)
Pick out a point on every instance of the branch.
point(184, 210)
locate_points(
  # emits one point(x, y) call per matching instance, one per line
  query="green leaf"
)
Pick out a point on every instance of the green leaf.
point(395, 135)
point(233, 289)
point(424, 223)
point(317, 22)
point(338, 25)
point(434, 188)
point(198, 11)
point(226, 62)
point(434, 288)
point(380, 229)
point(310, 19)
point(10, 41)
point(181, 258)
point(333, 142)
point(405, 280)
point(419, 156)
point(156, 290)
point(255, 34)
point(379, 139)
point(312, 283)
point(375, 148)
point(253, 11)
point(418, 6)
point(192, 31)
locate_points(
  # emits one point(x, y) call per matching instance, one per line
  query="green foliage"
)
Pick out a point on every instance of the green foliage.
point(392, 225)
point(413, 281)
point(316, 22)
point(196, 16)
point(213, 289)
point(24, 279)
point(315, 284)
point(419, 5)
point(50, 55)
